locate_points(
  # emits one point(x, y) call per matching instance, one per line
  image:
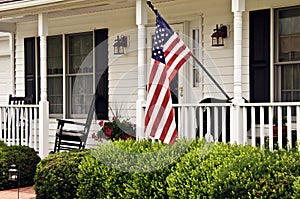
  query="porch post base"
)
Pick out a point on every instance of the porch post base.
point(236, 121)
point(43, 129)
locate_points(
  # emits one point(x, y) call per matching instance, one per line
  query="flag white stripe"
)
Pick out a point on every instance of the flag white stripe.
point(164, 119)
point(177, 60)
point(170, 132)
point(154, 82)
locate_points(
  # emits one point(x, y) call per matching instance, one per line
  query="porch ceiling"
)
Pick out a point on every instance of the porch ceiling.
point(20, 10)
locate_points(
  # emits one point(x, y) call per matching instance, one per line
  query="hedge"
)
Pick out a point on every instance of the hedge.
point(26, 160)
point(188, 169)
point(56, 175)
point(128, 169)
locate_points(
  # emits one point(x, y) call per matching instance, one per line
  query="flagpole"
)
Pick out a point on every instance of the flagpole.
point(211, 77)
point(196, 60)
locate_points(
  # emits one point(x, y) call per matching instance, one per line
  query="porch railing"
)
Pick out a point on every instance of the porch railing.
point(19, 125)
point(255, 121)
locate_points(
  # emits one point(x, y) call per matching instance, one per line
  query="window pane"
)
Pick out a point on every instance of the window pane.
point(290, 87)
point(54, 55)
point(55, 94)
point(289, 34)
point(55, 70)
point(82, 92)
point(80, 53)
point(196, 73)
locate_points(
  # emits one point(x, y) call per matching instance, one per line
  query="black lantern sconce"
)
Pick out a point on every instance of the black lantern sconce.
point(217, 38)
point(120, 44)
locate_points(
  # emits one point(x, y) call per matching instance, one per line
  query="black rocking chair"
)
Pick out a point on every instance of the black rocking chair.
point(73, 139)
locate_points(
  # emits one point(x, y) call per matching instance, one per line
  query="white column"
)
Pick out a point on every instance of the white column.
point(43, 104)
point(236, 135)
point(141, 20)
point(12, 61)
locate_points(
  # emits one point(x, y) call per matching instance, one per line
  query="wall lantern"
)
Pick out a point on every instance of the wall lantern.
point(120, 44)
point(217, 38)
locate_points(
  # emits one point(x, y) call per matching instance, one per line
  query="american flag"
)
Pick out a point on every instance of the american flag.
point(169, 53)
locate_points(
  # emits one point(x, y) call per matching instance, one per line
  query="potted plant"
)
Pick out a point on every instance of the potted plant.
point(275, 126)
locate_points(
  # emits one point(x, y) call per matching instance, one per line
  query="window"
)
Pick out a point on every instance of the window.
point(82, 74)
point(55, 74)
point(79, 72)
point(287, 64)
point(195, 49)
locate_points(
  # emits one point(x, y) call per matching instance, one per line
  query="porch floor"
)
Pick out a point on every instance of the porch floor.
point(25, 193)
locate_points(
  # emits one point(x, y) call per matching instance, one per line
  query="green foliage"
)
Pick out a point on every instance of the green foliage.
point(24, 158)
point(188, 169)
point(259, 175)
point(56, 175)
point(129, 169)
point(2, 144)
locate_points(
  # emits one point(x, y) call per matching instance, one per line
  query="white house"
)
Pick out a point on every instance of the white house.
point(57, 52)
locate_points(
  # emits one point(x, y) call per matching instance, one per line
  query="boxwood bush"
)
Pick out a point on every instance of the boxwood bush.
point(26, 160)
point(56, 175)
point(129, 169)
point(262, 174)
point(188, 169)
point(2, 144)
point(197, 171)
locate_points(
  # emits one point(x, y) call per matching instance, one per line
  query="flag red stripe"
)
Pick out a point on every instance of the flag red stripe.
point(178, 66)
point(152, 73)
point(173, 138)
point(161, 112)
point(171, 46)
point(156, 95)
point(167, 125)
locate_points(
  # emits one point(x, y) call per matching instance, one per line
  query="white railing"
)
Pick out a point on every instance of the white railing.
point(19, 125)
point(215, 122)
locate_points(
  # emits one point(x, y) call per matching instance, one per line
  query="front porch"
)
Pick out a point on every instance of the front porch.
point(216, 122)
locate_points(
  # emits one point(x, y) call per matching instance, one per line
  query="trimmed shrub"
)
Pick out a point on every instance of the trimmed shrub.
point(2, 144)
point(259, 175)
point(56, 175)
point(129, 169)
point(26, 160)
point(197, 171)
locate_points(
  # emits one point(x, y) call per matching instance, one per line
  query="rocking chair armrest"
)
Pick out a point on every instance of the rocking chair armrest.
point(61, 122)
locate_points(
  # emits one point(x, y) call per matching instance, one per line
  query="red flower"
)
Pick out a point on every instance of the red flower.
point(108, 132)
point(101, 122)
point(114, 118)
point(94, 136)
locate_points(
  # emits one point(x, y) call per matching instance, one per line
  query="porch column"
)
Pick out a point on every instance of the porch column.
point(141, 20)
point(43, 104)
point(236, 135)
point(12, 61)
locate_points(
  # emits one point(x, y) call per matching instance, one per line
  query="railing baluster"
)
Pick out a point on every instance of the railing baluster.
point(279, 126)
point(224, 124)
point(244, 109)
point(271, 140)
point(298, 124)
point(216, 123)
point(193, 120)
point(180, 126)
point(200, 122)
point(208, 121)
point(30, 127)
point(26, 120)
point(253, 130)
point(35, 129)
point(289, 127)
point(261, 127)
